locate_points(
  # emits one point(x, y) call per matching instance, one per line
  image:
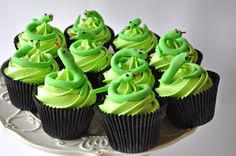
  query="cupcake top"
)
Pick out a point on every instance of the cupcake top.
point(171, 44)
point(89, 55)
point(183, 78)
point(136, 36)
point(29, 67)
point(39, 29)
point(68, 88)
point(127, 98)
point(93, 22)
point(132, 60)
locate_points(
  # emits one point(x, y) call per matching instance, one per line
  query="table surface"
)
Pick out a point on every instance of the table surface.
point(210, 28)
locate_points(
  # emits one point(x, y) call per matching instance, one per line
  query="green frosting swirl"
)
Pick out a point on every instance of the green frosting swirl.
point(134, 36)
point(68, 88)
point(183, 79)
point(46, 46)
point(127, 98)
point(89, 56)
point(132, 63)
point(92, 22)
point(34, 68)
point(57, 97)
point(171, 44)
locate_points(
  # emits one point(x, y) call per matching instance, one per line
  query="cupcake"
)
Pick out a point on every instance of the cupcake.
point(65, 101)
point(171, 44)
point(131, 115)
point(91, 57)
point(132, 60)
point(24, 71)
point(135, 36)
point(39, 29)
point(190, 92)
point(93, 22)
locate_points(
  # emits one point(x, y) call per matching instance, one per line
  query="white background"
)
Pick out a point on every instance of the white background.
point(210, 27)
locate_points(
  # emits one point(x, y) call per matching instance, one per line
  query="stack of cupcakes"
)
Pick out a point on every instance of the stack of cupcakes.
point(147, 77)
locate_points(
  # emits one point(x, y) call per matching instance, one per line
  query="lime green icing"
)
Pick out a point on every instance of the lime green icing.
point(68, 88)
point(135, 36)
point(132, 60)
point(92, 22)
point(30, 67)
point(88, 55)
point(127, 98)
point(46, 45)
point(171, 44)
point(182, 79)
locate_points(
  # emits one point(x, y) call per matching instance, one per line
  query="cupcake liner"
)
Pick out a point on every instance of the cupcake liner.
point(194, 110)
point(117, 49)
point(132, 134)
point(200, 57)
point(96, 78)
point(157, 75)
point(19, 92)
point(66, 124)
point(69, 42)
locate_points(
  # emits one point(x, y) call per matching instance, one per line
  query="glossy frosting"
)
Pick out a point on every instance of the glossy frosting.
point(182, 78)
point(127, 98)
point(92, 22)
point(42, 29)
point(135, 36)
point(68, 88)
point(171, 44)
point(30, 67)
point(88, 55)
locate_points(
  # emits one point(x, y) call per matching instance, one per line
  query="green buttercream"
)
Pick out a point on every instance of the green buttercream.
point(183, 79)
point(89, 56)
point(126, 98)
point(132, 60)
point(171, 44)
point(57, 97)
point(68, 88)
point(135, 36)
point(46, 46)
point(31, 74)
point(92, 22)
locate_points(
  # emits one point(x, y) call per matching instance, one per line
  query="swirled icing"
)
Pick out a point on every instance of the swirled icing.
point(135, 36)
point(130, 60)
point(30, 67)
point(88, 55)
point(127, 98)
point(48, 45)
point(182, 79)
point(91, 22)
point(173, 42)
point(68, 88)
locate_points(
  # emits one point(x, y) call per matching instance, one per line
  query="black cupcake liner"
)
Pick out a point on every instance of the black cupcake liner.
point(157, 75)
point(19, 92)
point(69, 42)
point(200, 57)
point(117, 49)
point(132, 134)
point(194, 110)
point(66, 124)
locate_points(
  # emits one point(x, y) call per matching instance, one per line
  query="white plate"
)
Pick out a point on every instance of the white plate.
point(27, 126)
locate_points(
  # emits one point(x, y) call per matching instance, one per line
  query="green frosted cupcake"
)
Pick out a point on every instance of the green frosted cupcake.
point(171, 44)
point(190, 92)
point(65, 101)
point(91, 57)
point(130, 115)
point(132, 60)
point(135, 36)
point(92, 21)
point(40, 30)
point(24, 71)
